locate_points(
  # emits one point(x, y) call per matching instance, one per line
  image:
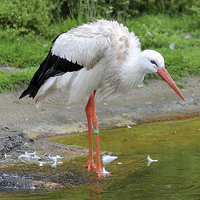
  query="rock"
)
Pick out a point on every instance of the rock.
point(11, 138)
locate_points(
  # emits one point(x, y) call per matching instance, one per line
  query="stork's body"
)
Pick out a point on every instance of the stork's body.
point(101, 59)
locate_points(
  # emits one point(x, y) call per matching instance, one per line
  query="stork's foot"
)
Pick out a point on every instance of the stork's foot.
point(90, 165)
point(102, 172)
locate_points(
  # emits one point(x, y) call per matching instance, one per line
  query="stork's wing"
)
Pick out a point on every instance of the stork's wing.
point(70, 51)
point(84, 48)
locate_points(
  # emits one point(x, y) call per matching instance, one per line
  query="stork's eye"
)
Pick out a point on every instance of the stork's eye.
point(153, 62)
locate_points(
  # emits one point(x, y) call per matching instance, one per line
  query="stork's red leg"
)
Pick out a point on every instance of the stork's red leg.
point(90, 163)
point(92, 117)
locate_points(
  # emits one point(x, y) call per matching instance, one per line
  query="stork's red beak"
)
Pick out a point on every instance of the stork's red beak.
point(165, 75)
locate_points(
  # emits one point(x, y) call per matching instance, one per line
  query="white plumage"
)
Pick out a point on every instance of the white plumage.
point(150, 160)
point(106, 159)
point(101, 59)
point(107, 50)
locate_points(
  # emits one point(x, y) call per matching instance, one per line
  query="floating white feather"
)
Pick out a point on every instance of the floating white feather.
point(106, 159)
point(150, 160)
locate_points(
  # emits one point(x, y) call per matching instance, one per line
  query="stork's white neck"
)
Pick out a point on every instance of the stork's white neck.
point(132, 76)
point(121, 78)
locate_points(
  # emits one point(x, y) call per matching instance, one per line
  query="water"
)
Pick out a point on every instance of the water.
point(176, 175)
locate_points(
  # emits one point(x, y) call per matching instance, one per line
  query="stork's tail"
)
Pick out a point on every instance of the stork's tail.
point(45, 90)
point(31, 90)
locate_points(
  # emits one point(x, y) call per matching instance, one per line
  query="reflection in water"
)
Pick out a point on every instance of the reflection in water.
point(98, 191)
point(176, 175)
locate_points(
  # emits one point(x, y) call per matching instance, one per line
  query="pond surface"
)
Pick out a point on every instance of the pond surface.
point(176, 175)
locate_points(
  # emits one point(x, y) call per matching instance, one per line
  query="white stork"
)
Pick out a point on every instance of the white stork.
point(101, 59)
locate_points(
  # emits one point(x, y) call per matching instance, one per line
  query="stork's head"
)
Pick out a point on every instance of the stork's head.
point(153, 62)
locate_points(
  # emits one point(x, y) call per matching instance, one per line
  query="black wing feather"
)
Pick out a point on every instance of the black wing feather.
point(52, 66)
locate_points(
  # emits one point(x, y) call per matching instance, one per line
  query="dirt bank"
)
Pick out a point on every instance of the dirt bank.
point(153, 102)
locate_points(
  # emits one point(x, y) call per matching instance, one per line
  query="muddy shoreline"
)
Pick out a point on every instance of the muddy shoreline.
point(154, 102)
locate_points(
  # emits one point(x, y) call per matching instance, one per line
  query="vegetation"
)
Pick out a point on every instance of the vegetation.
point(28, 27)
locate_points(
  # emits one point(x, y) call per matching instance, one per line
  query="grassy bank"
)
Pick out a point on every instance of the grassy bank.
point(181, 33)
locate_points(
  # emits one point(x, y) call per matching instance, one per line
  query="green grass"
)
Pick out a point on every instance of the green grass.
point(27, 52)
point(10, 81)
point(24, 52)
point(183, 60)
